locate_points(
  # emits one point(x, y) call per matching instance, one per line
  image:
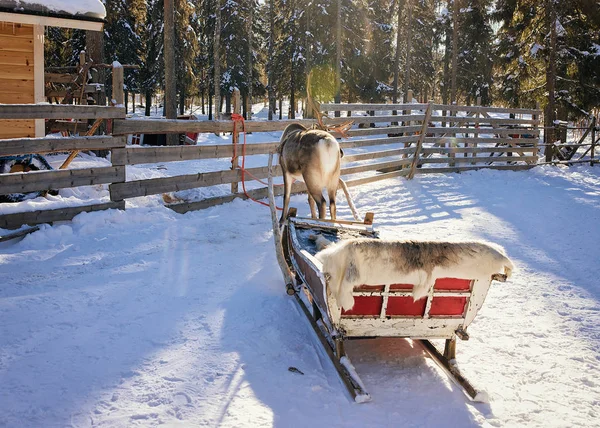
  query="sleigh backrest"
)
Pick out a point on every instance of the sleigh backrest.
point(450, 298)
point(389, 310)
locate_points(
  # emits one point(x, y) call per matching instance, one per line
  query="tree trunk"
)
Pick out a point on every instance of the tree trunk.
point(397, 55)
point(217, 59)
point(270, 83)
point(170, 76)
point(148, 102)
point(248, 108)
point(210, 109)
point(549, 117)
point(280, 108)
point(182, 101)
point(455, 11)
point(408, 49)
point(338, 56)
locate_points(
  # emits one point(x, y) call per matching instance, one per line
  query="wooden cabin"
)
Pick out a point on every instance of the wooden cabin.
point(22, 27)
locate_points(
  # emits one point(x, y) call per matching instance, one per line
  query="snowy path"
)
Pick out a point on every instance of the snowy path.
point(147, 317)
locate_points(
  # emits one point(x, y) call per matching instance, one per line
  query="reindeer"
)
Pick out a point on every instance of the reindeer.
point(313, 156)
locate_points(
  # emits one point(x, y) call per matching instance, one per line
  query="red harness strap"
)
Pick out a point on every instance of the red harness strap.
point(237, 118)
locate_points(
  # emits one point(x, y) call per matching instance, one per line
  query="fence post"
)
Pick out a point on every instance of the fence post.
point(476, 135)
point(424, 127)
point(235, 137)
point(118, 93)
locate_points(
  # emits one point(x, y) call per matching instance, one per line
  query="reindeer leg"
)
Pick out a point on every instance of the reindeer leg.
point(331, 192)
point(313, 206)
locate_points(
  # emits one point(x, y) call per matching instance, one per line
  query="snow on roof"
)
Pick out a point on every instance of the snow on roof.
point(90, 9)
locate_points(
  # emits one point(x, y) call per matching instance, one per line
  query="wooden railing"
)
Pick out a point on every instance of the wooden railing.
point(423, 141)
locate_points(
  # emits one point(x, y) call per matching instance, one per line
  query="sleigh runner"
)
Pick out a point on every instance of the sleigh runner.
point(380, 310)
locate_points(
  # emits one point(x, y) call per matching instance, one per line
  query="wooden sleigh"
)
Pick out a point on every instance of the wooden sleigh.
point(380, 310)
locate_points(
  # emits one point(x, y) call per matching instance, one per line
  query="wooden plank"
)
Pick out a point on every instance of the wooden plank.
point(16, 44)
point(92, 88)
point(486, 122)
point(16, 72)
point(16, 87)
point(420, 142)
point(142, 155)
point(479, 160)
point(132, 189)
point(17, 128)
point(257, 194)
point(59, 111)
point(484, 109)
point(16, 30)
point(16, 58)
point(481, 140)
point(118, 95)
point(60, 77)
point(21, 146)
point(489, 149)
point(371, 107)
point(375, 119)
point(379, 154)
point(375, 166)
point(472, 168)
point(495, 131)
point(59, 179)
point(383, 130)
point(378, 141)
point(161, 126)
point(25, 97)
point(378, 177)
point(14, 221)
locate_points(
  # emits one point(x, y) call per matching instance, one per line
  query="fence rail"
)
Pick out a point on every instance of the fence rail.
point(420, 139)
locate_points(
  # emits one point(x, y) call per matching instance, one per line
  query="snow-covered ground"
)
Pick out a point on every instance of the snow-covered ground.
point(148, 317)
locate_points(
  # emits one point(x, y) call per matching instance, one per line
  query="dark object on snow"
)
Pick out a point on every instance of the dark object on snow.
point(294, 370)
point(24, 163)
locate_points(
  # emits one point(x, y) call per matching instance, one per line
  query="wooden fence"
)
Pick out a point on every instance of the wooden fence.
point(420, 139)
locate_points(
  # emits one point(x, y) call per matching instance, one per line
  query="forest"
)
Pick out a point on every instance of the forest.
point(514, 53)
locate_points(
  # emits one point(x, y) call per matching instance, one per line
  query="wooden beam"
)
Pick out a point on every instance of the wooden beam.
point(132, 189)
point(20, 146)
point(415, 159)
point(135, 156)
point(20, 18)
point(495, 131)
point(58, 179)
point(118, 94)
point(485, 109)
point(371, 107)
point(59, 111)
point(472, 168)
point(14, 221)
point(38, 71)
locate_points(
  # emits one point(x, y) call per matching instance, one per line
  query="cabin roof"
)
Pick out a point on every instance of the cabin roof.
point(81, 10)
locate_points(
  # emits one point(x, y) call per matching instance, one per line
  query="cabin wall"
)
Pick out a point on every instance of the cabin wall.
point(17, 80)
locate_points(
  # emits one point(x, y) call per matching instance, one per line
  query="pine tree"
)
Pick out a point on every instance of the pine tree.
point(152, 66)
point(123, 37)
point(475, 51)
